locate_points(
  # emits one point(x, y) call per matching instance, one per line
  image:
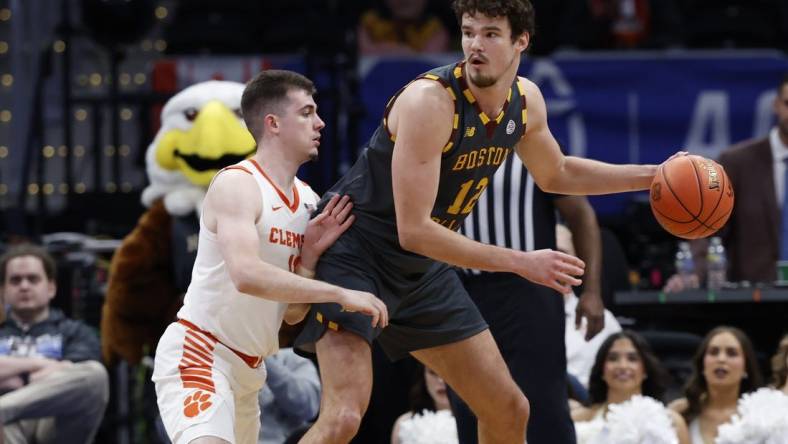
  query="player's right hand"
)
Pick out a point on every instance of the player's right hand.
point(365, 303)
point(551, 268)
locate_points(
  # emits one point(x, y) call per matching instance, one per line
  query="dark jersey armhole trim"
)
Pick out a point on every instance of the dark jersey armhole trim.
point(450, 144)
point(523, 104)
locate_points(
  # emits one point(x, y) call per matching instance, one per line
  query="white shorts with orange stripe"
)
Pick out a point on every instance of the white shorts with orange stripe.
point(203, 388)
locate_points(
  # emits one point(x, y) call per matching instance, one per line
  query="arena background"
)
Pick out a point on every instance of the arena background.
point(82, 83)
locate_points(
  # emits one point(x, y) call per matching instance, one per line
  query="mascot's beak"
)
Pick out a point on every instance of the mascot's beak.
point(216, 139)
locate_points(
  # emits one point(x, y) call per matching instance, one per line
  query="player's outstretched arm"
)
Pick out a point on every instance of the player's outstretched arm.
point(232, 207)
point(556, 173)
point(421, 119)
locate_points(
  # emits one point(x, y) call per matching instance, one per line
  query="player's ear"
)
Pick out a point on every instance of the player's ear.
point(271, 122)
point(523, 41)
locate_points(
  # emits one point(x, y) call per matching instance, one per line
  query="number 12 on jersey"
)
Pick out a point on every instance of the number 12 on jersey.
point(460, 206)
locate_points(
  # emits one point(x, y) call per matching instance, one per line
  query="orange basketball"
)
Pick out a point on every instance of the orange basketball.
point(691, 196)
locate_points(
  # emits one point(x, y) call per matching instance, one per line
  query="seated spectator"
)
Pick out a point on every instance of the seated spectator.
point(780, 366)
point(429, 413)
point(290, 398)
point(723, 369)
point(580, 353)
point(54, 389)
point(401, 27)
point(626, 383)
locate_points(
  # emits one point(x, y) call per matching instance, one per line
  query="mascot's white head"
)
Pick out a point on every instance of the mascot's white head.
point(202, 131)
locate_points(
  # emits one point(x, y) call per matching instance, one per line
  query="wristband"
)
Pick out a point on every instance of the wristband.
point(301, 270)
point(304, 272)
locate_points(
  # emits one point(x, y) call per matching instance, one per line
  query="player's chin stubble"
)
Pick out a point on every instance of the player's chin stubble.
point(483, 81)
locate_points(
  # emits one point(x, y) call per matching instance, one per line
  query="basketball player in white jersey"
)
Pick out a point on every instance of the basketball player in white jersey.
point(255, 236)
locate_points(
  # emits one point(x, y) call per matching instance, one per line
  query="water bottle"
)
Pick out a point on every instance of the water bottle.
point(716, 264)
point(685, 265)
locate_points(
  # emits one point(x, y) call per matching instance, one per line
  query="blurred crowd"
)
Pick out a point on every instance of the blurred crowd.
point(414, 26)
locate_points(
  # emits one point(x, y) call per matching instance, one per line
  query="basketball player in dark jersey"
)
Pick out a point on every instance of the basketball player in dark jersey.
point(441, 140)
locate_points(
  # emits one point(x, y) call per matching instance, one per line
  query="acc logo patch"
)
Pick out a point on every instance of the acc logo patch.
point(510, 127)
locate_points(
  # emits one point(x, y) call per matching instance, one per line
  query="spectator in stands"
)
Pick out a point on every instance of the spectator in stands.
point(724, 368)
point(780, 366)
point(580, 351)
point(625, 367)
point(401, 27)
point(290, 399)
point(429, 412)
point(54, 387)
point(624, 24)
point(756, 235)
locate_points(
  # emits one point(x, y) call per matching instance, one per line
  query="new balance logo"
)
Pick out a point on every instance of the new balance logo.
point(470, 131)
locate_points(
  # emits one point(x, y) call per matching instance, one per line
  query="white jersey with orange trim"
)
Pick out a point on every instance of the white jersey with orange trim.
point(246, 323)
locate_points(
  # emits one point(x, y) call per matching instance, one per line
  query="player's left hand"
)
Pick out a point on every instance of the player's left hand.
point(323, 230)
point(590, 306)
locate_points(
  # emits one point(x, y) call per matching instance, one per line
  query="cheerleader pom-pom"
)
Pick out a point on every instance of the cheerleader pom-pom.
point(761, 418)
point(587, 432)
point(429, 428)
point(640, 420)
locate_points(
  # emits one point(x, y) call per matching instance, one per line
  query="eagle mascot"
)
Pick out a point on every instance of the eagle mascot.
point(202, 131)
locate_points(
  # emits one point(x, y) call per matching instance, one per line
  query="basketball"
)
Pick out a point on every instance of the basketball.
point(691, 196)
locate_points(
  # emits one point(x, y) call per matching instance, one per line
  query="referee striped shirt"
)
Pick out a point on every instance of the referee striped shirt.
point(513, 212)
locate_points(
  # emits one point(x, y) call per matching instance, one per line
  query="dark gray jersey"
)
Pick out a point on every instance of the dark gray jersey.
point(477, 147)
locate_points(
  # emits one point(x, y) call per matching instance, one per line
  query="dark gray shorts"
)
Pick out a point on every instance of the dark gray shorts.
point(426, 309)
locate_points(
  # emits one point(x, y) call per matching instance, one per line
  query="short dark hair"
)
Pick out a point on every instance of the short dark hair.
point(28, 250)
point(520, 13)
point(657, 377)
point(697, 388)
point(266, 91)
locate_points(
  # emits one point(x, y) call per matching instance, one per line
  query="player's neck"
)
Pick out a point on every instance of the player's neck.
point(492, 98)
point(277, 167)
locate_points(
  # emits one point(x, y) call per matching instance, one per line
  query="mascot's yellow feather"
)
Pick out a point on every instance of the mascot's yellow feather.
point(201, 132)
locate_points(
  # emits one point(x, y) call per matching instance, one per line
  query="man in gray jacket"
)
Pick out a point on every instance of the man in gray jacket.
point(52, 386)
